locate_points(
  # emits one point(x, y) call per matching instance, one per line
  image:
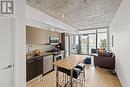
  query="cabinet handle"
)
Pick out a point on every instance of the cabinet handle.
point(29, 61)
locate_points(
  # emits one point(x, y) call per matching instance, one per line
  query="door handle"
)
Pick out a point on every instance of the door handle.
point(9, 66)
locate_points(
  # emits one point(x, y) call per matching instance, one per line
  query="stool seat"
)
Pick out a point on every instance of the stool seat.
point(87, 60)
point(80, 66)
point(76, 72)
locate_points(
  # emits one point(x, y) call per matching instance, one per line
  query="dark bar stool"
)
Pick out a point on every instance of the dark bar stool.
point(81, 66)
point(76, 72)
point(87, 60)
point(66, 73)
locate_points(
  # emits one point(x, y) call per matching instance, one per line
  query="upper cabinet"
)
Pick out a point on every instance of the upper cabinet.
point(39, 36)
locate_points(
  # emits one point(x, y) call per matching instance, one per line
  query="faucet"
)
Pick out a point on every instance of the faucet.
point(29, 46)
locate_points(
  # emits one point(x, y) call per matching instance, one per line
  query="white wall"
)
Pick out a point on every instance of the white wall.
point(120, 28)
point(42, 48)
point(20, 44)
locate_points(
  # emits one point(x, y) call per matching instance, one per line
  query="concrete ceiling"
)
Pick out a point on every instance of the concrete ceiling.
point(80, 14)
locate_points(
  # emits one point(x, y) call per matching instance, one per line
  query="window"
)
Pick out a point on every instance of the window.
point(102, 38)
point(89, 39)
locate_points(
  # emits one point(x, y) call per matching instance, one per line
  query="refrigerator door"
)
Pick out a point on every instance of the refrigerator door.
point(6, 52)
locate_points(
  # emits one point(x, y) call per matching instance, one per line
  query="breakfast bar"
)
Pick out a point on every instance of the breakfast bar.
point(68, 63)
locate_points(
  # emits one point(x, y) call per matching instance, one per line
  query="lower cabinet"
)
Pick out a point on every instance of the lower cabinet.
point(34, 68)
point(30, 69)
point(39, 66)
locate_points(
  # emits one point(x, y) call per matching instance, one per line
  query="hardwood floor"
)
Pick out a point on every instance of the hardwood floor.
point(95, 77)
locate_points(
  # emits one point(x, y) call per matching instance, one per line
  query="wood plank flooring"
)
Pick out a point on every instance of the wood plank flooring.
point(95, 77)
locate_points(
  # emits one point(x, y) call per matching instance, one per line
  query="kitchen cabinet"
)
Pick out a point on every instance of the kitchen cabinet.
point(63, 41)
point(39, 36)
point(36, 36)
point(30, 69)
point(34, 68)
point(47, 64)
point(39, 66)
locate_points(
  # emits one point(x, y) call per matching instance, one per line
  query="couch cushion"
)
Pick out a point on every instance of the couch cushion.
point(108, 54)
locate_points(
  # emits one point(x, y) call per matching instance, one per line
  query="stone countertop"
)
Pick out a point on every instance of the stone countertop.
point(42, 54)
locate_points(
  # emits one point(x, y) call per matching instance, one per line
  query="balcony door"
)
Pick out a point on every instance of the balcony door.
point(87, 42)
point(84, 44)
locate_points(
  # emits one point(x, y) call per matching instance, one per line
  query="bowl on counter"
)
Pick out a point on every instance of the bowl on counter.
point(36, 52)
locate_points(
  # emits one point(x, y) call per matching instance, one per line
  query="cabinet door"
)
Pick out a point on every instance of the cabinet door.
point(39, 66)
point(45, 36)
point(30, 67)
point(37, 36)
point(48, 63)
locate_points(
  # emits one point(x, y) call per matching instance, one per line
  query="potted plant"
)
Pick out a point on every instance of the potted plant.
point(103, 44)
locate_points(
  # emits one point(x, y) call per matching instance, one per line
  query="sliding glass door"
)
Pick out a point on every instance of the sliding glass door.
point(84, 44)
point(92, 42)
point(74, 44)
point(87, 42)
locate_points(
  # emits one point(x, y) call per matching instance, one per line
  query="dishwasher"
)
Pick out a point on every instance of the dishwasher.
point(47, 64)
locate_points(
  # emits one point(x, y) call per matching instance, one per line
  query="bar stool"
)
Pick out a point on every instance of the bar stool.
point(87, 60)
point(81, 66)
point(66, 73)
point(76, 72)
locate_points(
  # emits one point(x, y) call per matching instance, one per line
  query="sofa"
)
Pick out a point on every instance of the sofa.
point(105, 60)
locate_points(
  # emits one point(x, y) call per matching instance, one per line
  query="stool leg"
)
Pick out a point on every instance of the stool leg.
point(71, 78)
point(64, 79)
point(84, 74)
point(57, 78)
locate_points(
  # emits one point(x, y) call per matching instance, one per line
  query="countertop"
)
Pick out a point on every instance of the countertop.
point(42, 54)
point(70, 62)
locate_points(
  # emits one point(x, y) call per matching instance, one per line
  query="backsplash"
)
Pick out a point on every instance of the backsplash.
point(43, 48)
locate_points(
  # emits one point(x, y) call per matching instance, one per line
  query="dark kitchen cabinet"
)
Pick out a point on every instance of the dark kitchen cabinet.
point(63, 41)
point(30, 69)
point(34, 68)
point(39, 66)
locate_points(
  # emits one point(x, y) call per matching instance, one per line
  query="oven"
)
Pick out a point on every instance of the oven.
point(58, 57)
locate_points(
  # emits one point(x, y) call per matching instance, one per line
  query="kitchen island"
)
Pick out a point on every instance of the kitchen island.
point(69, 63)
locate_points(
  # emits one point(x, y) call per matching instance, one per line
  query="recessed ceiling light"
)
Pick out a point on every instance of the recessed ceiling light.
point(63, 16)
point(60, 14)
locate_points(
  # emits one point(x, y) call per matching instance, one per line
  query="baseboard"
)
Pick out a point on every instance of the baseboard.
point(117, 73)
point(33, 80)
